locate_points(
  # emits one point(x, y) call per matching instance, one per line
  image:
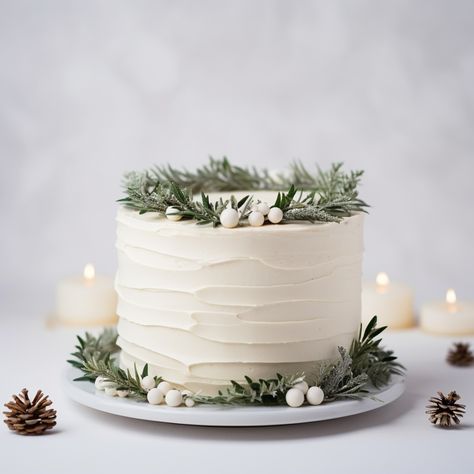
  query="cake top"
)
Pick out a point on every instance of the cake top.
point(297, 195)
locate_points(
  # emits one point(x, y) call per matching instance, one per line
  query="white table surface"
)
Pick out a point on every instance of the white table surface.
point(397, 438)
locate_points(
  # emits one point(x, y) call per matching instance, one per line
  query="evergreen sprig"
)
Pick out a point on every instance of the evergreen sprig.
point(338, 380)
point(326, 196)
point(369, 358)
point(254, 392)
point(94, 356)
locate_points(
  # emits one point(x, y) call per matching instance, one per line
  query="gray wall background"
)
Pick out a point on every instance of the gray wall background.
point(91, 89)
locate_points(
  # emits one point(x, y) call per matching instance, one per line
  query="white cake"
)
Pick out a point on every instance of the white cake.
point(204, 305)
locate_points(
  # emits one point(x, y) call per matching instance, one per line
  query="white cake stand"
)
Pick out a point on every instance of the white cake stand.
point(208, 415)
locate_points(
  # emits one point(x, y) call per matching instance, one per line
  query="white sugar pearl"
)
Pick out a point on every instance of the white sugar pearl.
point(294, 397)
point(154, 396)
point(123, 393)
point(256, 219)
point(102, 383)
point(263, 207)
point(99, 383)
point(189, 402)
point(164, 387)
point(171, 213)
point(111, 391)
point(315, 396)
point(275, 216)
point(174, 398)
point(148, 382)
point(229, 218)
point(303, 386)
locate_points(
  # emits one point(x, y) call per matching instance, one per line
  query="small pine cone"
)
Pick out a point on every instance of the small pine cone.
point(30, 417)
point(445, 410)
point(460, 355)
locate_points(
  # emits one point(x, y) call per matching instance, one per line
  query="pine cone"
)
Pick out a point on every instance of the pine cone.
point(30, 417)
point(444, 410)
point(460, 355)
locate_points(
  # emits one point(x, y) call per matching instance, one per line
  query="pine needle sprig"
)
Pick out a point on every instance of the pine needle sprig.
point(94, 356)
point(369, 358)
point(254, 392)
point(217, 175)
point(98, 348)
point(338, 380)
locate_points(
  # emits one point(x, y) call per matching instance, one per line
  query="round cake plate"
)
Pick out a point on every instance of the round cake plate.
point(209, 415)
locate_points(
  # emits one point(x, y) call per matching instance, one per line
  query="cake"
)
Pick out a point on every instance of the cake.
point(204, 305)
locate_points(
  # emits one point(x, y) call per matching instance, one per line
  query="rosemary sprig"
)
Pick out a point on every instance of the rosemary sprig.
point(254, 392)
point(94, 356)
point(97, 348)
point(329, 196)
point(369, 358)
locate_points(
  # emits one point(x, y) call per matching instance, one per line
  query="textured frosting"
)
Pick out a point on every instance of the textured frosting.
point(204, 305)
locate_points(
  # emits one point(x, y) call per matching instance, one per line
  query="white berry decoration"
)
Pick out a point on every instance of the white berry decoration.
point(186, 393)
point(275, 216)
point(154, 396)
point(229, 218)
point(294, 397)
point(99, 383)
point(303, 386)
point(315, 396)
point(189, 402)
point(164, 387)
point(256, 219)
point(174, 398)
point(171, 213)
point(148, 382)
point(263, 207)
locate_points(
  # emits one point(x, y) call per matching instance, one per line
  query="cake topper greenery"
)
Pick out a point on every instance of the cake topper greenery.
point(363, 366)
point(322, 196)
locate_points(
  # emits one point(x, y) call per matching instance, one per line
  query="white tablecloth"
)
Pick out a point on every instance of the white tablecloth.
point(396, 438)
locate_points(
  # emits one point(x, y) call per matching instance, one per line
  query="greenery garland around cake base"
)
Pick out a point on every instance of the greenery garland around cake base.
point(355, 375)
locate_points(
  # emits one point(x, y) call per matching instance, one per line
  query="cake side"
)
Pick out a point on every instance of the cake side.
point(205, 305)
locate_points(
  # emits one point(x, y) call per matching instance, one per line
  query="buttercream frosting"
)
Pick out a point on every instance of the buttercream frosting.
point(205, 305)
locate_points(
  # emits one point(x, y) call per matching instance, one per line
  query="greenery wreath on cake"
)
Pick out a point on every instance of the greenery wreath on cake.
point(364, 367)
point(324, 196)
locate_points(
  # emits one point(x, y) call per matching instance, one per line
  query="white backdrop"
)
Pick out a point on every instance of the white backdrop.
point(91, 89)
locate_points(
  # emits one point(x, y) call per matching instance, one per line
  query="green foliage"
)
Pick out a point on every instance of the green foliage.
point(369, 358)
point(254, 392)
point(338, 380)
point(328, 196)
point(94, 357)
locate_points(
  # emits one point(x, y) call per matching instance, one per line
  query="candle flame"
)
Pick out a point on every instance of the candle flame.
point(382, 279)
point(451, 296)
point(89, 272)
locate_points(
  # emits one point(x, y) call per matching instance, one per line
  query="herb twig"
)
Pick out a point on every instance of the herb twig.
point(326, 196)
point(94, 356)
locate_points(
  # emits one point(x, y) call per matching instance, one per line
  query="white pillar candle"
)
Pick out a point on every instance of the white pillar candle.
point(450, 317)
point(392, 302)
point(86, 300)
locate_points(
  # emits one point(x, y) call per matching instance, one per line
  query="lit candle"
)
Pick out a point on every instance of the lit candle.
point(450, 317)
point(89, 299)
point(391, 302)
